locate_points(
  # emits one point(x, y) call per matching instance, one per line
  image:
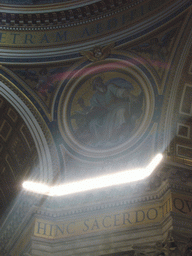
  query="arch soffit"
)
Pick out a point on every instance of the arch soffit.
point(37, 127)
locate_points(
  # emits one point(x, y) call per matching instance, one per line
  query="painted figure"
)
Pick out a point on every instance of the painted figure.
point(111, 115)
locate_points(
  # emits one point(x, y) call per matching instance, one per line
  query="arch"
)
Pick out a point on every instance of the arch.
point(173, 88)
point(37, 127)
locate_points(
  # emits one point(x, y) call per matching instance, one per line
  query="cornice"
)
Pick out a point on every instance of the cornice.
point(62, 15)
point(165, 180)
point(32, 43)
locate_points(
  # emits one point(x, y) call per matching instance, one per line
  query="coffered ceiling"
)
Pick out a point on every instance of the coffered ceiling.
point(18, 155)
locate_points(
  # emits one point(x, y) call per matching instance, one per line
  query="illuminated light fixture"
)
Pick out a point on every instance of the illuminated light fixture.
point(94, 183)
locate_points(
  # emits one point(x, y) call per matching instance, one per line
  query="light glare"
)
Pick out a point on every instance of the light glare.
point(94, 183)
point(36, 187)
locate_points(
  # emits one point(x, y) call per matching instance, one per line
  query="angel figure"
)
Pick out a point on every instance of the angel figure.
point(98, 53)
point(157, 48)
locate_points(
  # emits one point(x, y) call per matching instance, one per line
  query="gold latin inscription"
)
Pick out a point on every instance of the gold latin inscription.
point(82, 32)
point(114, 220)
point(125, 219)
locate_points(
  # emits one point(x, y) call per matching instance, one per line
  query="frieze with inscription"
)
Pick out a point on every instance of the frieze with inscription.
point(125, 219)
point(118, 220)
point(59, 36)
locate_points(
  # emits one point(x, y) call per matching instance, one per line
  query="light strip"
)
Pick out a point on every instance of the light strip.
point(94, 183)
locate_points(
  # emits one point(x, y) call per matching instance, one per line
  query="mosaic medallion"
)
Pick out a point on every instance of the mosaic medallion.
point(104, 109)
